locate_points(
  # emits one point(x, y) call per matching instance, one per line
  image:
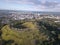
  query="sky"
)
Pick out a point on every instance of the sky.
point(31, 5)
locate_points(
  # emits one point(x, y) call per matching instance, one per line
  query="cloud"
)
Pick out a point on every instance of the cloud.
point(39, 4)
point(36, 2)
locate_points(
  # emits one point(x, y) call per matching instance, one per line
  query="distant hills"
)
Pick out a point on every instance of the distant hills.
point(23, 11)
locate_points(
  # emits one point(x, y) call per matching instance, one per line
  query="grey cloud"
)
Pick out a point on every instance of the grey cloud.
point(45, 3)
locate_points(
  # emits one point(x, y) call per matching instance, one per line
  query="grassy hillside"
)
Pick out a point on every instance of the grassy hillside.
point(40, 33)
point(22, 37)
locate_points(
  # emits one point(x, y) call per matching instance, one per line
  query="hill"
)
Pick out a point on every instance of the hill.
point(41, 32)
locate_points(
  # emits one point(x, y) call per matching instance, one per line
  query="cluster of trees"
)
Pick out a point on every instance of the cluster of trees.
point(50, 28)
point(41, 32)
